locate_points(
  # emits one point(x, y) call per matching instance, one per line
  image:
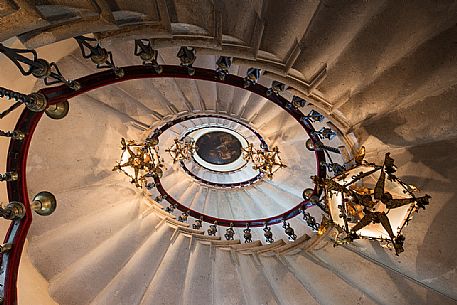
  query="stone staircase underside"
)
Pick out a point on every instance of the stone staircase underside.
point(384, 70)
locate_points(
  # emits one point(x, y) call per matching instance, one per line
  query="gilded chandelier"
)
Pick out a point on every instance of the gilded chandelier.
point(140, 160)
point(267, 161)
point(370, 201)
point(181, 149)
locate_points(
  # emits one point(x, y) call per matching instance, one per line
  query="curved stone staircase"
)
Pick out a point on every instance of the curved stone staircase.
point(383, 71)
point(109, 243)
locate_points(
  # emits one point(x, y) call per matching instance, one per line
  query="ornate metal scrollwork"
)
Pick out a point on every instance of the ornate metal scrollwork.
point(247, 234)
point(9, 176)
point(298, 102)
point(35, 102)
point(198, 224)
point(13, 210)
point(325, 133)
point(268, 234)
point(223, 65)
point(212, 230)
point(317, 145)
point(229, 232)
point(276, 88)
point(169, 209)
point(15, 134)
point(183, 217)
point(335, 168)
point(313, 116)
point(289, 230)
point(187, 57)
point(310, 220)
point(252, 77)
point(148, 55)
point(38, 67)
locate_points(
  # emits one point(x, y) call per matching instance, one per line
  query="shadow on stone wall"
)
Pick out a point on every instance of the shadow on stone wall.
point(431, 119)
point(437, 256)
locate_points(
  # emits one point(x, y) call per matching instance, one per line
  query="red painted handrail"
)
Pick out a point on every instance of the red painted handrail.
point(18, 150)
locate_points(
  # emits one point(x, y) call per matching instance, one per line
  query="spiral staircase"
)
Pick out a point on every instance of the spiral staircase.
point(382, 72)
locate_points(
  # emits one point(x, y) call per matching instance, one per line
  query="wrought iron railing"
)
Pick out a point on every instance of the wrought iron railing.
point(54, 101)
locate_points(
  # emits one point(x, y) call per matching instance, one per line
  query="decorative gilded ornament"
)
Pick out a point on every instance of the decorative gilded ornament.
point(139, 161)
point(267, 161)
point(369, 201)
point(182, 149)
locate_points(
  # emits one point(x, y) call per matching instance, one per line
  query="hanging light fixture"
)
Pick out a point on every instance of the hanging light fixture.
point(181, 149)
point(369, 201)
point(139, 161)
point(266, 161)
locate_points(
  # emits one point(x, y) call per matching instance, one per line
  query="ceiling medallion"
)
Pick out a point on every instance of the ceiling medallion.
point(218, 147)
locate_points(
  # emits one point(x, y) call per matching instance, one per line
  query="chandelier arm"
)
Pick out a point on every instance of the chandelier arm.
point(362, 175)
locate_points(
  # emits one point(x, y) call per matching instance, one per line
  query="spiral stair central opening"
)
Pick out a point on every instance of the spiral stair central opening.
point(214, 228)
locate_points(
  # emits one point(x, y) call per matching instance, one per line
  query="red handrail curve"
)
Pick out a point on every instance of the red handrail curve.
point(18, 150)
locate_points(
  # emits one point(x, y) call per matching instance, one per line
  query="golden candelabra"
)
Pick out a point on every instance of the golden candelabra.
point(181, 149)
point(267, 162)
point(140, 160)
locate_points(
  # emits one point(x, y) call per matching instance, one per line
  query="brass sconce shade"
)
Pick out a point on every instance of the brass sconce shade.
point(44, 203)
point(58, 111)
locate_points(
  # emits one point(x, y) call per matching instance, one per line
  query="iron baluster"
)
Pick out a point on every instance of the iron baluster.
point(15, 134)
point(38, 67)
point(252, 77)
point(229, 232)
point(310, 220)
point(289, 230)
point(198, 224)
point(187, 57)
point(268, 234)
point(247, 234)
point(212, 230)
point(223, 65)
point(148, 55)
point(34, 102)
point(98, 55)
point(183, 217)
point(276, 88)
point(298, 102)
point(9, 176)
